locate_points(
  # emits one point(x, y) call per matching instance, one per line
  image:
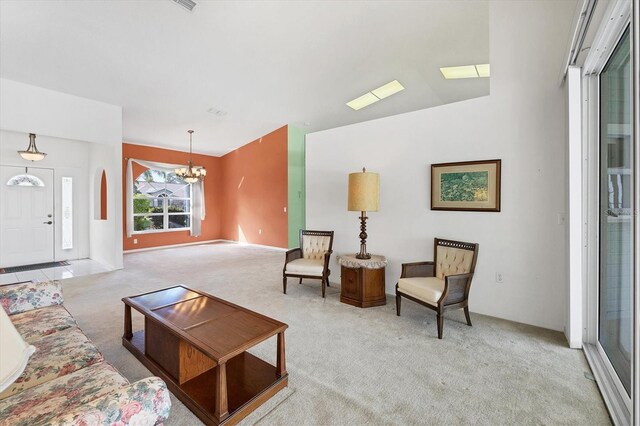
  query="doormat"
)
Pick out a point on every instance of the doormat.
point(33, 267)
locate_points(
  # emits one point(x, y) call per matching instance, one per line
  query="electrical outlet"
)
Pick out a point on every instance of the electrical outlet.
point(499, 277)
point(260, 231)
point(135, 241)
point(285, 209)
point(561, 219)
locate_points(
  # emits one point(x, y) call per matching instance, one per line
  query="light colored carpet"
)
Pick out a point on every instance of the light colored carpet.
point(356, 366)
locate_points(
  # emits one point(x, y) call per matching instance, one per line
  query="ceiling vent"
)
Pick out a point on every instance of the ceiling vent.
point(187, 4)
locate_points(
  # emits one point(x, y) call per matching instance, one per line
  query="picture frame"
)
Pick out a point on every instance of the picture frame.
point(466, 186)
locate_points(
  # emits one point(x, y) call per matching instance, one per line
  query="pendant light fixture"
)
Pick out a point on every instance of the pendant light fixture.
point(190, 173)
point(32, 153)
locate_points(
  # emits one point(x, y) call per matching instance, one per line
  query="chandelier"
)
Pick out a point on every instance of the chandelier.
point(32, 153)
point(190, 173)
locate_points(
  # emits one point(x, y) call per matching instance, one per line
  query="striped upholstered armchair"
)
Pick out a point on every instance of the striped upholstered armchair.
point(311, 259)
point(443, 284)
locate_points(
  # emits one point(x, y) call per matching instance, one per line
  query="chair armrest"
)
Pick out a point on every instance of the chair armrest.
point(418, 269)
point(293, 254)
point(327, 257)
point(145, 402)
point(17, 298)
point(456, 288)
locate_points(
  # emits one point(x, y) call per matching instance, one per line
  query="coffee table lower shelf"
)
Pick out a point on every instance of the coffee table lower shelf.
point(250, 383)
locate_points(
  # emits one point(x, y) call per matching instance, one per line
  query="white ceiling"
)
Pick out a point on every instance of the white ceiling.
point(265, 63)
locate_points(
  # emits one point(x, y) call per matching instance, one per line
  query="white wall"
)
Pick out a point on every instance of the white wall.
point(69, 159)
point(47, 113)
point(522, 122)
point(106, 235)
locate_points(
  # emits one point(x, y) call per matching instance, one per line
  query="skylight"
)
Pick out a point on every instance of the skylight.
point(466, 71)
point(375, 95)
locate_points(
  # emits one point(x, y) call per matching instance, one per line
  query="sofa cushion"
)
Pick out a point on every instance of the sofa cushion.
point(427, 289)
point(42, 403)
point(145, 402)
point(34, 324)
point(14, 352)
point(18, 298)
point(56, 355)
point(306, 267)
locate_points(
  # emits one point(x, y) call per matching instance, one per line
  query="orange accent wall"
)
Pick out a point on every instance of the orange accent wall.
point(103, 196)
point(254, 191)
point(212, 187)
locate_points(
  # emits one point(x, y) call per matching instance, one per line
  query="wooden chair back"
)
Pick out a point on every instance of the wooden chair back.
point(315, 243)
point(454, 257)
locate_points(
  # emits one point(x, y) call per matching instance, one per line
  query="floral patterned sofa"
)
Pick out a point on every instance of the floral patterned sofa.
point(66, 381)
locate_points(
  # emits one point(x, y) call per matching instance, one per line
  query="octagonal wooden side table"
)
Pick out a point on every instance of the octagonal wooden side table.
point(362, 283)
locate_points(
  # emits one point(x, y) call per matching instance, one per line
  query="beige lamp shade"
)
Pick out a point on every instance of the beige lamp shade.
point(363, 192)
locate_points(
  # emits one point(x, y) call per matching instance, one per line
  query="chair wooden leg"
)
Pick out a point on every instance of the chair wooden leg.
point(398, 303)
point(466, 314)
point(324, 285)
point(284, 285)
point(440, 325)
point(300, 282)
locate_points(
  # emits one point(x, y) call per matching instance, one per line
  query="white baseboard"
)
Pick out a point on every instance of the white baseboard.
point(202, 242)
point(172, 246)
point(255, 245)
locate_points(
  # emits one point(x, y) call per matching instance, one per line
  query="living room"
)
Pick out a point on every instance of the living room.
point(190, 146)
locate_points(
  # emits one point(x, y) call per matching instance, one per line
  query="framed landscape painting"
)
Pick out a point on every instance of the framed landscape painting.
point(469, 185)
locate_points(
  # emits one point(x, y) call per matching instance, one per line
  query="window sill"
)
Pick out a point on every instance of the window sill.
point(158, 231)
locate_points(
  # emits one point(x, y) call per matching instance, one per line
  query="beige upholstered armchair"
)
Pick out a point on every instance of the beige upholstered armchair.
point(442, 284)
point(311, 259)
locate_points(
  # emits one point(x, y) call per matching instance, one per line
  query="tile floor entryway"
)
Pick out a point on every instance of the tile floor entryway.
point(76, 268)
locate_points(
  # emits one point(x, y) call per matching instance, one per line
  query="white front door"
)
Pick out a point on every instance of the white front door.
point(26, 216)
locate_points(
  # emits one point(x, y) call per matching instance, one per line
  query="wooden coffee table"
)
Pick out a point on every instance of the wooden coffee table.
point(197, 344)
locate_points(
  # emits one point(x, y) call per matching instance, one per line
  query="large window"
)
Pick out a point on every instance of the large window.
point(161, 202)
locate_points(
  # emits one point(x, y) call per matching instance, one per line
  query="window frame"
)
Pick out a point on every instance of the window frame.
point(610, 32)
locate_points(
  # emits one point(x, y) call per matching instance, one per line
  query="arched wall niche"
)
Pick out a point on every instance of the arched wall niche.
point(100, 195)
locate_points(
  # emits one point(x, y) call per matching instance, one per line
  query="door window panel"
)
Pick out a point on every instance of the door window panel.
point(616, 216)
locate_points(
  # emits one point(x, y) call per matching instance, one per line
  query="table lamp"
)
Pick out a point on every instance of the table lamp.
point(363, 197)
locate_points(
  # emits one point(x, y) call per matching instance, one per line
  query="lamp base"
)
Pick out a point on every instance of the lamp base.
point(363, 256)
point(363, 238)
